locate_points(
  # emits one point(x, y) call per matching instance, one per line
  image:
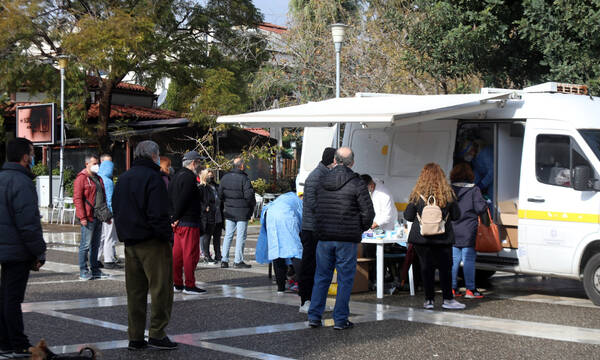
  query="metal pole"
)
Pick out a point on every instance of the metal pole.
point(61, 191)
point(338, 48)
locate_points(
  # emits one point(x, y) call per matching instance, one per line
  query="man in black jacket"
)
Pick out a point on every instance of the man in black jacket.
point(186, 203)
point(22, 246)
point(237, 193)
point(344, 211)
point(140, 206)
point(308, 235)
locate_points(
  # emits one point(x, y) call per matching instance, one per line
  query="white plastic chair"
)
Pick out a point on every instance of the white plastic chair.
point(68, 201)
point(57, 206)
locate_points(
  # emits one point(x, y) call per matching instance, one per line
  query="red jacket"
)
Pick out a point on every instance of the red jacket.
point(85, 188)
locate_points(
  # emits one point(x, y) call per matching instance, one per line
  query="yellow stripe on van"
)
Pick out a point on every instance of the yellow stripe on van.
point(401, 206)
point(559, 216)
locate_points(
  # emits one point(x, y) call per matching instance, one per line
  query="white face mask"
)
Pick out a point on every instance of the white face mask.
point(95, 168)
point(468, 158)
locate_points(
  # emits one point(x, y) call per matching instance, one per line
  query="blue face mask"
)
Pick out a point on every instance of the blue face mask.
point(32, 163)
point(158, 161)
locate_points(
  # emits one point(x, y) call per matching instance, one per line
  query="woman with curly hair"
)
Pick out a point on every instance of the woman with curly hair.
point(434, 251)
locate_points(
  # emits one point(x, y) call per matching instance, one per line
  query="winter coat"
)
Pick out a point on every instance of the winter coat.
point(185, 199)
point(279, 237)
point(214, 187)
point(310, 196)
point(84, 188)
point(209, 206)
point(344, 209)
point(106, 173)
point(471, 204)
point(140, 204)
point(237, 193)
point(451, 212)
point(386, 213)
point(20, 224)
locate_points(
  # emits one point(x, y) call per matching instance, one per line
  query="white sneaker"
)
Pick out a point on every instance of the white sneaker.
point(453, 304)
point(428, 305)
point(304, 308)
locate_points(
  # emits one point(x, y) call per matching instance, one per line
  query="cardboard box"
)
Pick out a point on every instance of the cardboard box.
point(509, 213)
point(509, 235)
point(361, 279)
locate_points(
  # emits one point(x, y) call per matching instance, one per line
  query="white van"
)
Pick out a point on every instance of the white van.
point(546, 146)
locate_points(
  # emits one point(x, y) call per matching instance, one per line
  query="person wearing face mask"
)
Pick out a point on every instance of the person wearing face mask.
point(186, 203)
point(481, 158)
point(383, 203)
point(89, 199)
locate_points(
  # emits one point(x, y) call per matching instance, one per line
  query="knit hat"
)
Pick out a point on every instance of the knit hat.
point(328, 155)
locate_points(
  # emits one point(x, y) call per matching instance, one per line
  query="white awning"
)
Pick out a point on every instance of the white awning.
point(370, 109)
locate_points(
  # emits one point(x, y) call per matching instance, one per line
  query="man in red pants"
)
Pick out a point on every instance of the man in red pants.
point(185, 208)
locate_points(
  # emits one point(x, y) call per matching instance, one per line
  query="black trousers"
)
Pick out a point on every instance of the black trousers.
point(280, 267)
point(306, 277)
point(13, 282)
point(213, 231)
point(432, 257)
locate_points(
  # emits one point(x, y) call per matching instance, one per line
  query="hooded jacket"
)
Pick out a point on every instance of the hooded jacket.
point(237, 193)
point(20, 225)
point(84, 189)
point(471, 204)
point(311, 185)
point(106, 173)
point(344, 209)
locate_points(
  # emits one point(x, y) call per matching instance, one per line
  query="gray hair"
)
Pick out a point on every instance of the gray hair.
point(187, 163)
point(238, 162)
point(89, 157)
point(146, 149)
point(344, 156)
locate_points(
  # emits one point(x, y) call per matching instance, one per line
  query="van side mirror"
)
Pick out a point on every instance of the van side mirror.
point(581, 178)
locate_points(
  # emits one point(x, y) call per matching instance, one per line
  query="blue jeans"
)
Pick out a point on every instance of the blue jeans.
point(468, 256)
point(340, 256)
point(89, 244)
point(230, 227)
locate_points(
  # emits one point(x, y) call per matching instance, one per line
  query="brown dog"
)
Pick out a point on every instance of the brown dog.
point(42, 352)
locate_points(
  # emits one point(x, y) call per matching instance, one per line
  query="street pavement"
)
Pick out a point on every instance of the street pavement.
point(243, 317)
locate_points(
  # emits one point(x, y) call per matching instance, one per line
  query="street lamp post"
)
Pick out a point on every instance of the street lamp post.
point(62, 64)
point(337, 32)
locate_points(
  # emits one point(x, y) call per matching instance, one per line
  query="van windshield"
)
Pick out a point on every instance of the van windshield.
point(592, 137)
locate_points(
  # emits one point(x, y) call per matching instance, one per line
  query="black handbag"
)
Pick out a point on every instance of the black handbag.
point(101, 212)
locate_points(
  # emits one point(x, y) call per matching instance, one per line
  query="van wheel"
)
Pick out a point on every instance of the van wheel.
point(483, 276)
point(591, 279)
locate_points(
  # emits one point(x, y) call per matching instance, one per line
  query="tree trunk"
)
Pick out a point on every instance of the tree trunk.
point(104, 107)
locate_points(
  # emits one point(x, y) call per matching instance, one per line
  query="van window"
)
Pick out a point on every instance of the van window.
point(555, 156)
point(374, 149)
point(592, 137)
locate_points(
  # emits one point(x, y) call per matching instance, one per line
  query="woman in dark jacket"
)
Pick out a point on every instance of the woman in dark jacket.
point(208, 215)
point(434, 251)
point(472, 204)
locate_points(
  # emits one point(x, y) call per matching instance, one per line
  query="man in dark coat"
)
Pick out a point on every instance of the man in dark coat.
point(344, 211)
point(308, 235)
point(186, 204)
point(237, 194)
point(140, 205)
point(22, 246)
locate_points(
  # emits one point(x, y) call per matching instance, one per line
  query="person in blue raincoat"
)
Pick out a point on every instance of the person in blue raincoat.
point(481, 157)
point(108, 239)
point(279, 237)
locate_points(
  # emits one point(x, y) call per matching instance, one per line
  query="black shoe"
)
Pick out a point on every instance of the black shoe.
point(315, 323)
point(112, 265)
point(347, 325)
point(137, 345)
point(224, 265)
point(162, 344)
point(193, 290)
point(242, 265)
point(177, 288)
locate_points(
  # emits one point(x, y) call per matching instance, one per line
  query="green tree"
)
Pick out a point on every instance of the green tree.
point(111, 39)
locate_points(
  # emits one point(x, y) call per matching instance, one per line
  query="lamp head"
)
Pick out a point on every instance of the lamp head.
point(62, 62)
point(338, 31)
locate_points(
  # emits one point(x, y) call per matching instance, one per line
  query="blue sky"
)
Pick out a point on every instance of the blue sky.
point(274, 11)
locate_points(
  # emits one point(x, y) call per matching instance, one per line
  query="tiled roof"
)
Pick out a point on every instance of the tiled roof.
point(258, 131)
point(133, 112)
point(277, 29)
point(92, 82)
